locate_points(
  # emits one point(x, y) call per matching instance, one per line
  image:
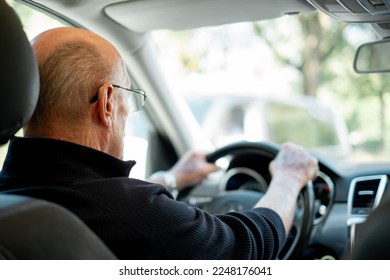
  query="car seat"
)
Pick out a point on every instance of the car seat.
point(32, 228)
point(372, 237)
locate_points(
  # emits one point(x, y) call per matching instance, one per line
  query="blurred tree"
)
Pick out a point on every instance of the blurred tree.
point(320, 37)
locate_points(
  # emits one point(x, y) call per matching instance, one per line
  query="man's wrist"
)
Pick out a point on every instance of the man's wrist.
point(165, 178)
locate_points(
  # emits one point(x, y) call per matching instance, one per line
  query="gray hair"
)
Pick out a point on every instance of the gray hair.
point(69, 77)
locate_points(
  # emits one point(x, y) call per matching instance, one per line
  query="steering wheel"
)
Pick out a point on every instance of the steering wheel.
point(246, 199)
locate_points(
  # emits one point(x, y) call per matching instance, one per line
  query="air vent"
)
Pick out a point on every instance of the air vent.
point(365, 194)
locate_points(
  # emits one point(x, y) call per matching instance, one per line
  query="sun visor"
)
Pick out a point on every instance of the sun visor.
point(147, 15)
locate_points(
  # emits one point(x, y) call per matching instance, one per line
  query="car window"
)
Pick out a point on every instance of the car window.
point(245, 82)
point(136, 143)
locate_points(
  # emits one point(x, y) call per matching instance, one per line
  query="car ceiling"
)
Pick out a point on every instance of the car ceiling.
point(140, 16)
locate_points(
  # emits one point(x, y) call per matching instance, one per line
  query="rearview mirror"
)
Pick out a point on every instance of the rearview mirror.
point(373, 57)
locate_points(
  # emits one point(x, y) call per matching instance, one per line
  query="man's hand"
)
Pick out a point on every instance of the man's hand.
point(292, 168)
point(294, 163)
point(191, 169)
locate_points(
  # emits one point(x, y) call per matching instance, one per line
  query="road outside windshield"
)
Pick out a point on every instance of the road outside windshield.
point(289, 79)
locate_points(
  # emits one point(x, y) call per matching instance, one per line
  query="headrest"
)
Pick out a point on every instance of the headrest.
point(19, 75)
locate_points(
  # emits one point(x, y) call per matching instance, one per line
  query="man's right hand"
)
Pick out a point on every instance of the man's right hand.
point(291, 170)
point(293, 162)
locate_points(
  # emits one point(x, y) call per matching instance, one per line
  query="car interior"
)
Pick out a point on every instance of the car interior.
point(335, 210)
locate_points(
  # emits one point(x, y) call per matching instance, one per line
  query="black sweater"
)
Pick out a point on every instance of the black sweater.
point(136, 219)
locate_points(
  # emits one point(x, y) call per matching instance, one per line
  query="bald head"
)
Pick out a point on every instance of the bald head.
point(73, 64)
point(49, 41)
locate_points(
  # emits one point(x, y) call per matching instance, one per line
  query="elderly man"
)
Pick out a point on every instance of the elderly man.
point(71, 154)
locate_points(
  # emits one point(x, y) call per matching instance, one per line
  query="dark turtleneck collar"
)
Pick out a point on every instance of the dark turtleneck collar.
point(49, 161)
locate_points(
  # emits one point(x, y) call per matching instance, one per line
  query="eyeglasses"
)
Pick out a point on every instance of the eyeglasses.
point(136, 100)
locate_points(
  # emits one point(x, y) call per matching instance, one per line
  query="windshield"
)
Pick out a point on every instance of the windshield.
point(288, 79)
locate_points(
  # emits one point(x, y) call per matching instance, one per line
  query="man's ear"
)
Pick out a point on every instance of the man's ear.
point(105, 103)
